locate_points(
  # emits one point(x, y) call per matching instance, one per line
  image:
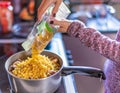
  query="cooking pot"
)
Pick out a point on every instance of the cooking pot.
point(51, 83)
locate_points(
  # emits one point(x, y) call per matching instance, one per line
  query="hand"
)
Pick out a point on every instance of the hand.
point(63, 24)
point(45, 4)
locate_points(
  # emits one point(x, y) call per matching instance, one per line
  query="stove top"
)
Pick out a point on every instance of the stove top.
point(55, 46)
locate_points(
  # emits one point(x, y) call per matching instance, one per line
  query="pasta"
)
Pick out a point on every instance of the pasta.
point(40, 42)
point(35, 67)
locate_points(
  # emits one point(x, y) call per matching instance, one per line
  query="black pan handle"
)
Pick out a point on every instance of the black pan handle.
point(84, 71)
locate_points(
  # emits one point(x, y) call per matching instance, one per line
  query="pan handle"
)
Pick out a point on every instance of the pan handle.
point(84, 71)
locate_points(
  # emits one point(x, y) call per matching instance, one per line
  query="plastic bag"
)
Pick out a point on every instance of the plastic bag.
point(42, 32)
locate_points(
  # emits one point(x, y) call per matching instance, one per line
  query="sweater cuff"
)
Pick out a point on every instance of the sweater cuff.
point(74, 27)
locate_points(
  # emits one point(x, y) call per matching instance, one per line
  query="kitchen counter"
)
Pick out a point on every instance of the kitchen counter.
point(99, 16)
point(106, 24)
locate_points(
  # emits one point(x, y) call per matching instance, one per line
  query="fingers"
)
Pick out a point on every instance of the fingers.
point(40, 11)
point(44, 6)
point(55, 9)
point(63, 24)
point(57, 22)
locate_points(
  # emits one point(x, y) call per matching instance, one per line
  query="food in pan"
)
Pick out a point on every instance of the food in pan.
point(37, 67)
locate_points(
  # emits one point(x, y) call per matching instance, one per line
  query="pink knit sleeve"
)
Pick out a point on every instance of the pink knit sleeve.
point(95, 40)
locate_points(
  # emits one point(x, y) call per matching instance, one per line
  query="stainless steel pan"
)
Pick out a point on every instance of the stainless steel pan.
point(51, 83)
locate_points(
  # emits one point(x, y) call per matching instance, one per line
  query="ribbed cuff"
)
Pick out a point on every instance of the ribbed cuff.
point(74, 27)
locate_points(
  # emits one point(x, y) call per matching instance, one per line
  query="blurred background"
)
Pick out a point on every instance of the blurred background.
point(17, 18)
point(103, 15)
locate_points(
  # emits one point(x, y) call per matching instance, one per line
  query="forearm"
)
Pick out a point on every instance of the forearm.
point(96, 41)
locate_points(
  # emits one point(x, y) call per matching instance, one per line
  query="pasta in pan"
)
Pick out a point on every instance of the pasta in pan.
point(35, 67)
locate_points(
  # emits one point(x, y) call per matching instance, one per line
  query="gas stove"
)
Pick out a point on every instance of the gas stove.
point(57, 46)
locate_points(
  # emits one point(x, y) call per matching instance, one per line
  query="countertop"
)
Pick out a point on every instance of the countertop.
point(106, 24)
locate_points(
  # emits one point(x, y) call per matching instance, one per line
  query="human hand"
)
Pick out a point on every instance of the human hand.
point(45, 4)
point(63, 24)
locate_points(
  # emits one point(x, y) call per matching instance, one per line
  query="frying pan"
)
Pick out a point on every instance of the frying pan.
point(51, 83)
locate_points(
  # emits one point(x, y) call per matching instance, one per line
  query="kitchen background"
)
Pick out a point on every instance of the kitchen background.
point(103, 15)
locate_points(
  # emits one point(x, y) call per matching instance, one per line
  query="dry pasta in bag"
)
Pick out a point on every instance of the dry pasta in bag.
point(42, 32)
point(42, 39)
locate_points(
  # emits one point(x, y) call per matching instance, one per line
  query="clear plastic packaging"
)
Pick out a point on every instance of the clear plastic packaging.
point(42, 32)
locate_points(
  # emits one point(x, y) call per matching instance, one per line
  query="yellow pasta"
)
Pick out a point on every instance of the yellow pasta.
point(41, 41)
point(37, 66)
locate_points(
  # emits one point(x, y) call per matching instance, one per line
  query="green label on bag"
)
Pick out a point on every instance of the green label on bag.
point(44, 25)
point(48, 27)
